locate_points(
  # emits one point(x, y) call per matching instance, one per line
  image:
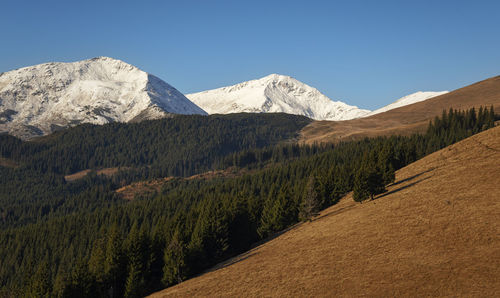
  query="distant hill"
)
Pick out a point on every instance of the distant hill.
point(41, 99)
point(434, 233)
point(407, 119)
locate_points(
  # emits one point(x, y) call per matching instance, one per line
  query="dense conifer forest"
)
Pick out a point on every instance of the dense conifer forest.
point(80, 239)
point(179, 146)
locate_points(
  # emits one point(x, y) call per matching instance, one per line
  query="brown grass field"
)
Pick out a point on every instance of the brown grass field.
point(108, 172)
point(436, 232)
point(129, 192)
point(405, 120)
point(8, 163)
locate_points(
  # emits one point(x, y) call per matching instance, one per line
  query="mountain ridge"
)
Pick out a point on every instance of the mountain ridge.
point(408, 119)
point(407, 100)
point(40, 99)
point(274, 93)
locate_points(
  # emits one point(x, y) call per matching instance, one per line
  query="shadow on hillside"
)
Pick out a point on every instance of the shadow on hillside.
point(335, 212)
point(401, 188)
point(484, 145)
point(413, 177)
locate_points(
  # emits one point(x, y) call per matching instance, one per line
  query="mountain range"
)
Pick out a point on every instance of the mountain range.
point(41, 99)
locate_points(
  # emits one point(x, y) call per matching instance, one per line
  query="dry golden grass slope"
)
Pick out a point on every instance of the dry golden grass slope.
point(435, 233)
point(128, 192)
point(8, 163)
point(106, 172)
point(408, 119)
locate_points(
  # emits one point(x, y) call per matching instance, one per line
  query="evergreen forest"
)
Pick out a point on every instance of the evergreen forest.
point(80, 238)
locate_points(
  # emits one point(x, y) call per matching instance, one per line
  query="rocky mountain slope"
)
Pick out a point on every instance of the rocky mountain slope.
point(272, 94)
point(40, 99)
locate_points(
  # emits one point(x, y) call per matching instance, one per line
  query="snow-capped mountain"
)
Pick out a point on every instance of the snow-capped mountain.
point(407, 100)
point(40, 99)
point(272, 94)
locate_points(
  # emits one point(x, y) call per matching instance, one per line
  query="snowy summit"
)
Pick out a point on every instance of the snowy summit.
point(40, 99)
point(408, 100)
point(274, 94)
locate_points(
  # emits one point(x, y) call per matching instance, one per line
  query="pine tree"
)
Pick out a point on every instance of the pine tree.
point(490, 118)
point(268, 217)
point(471, 120)
point(285, 208)
point(481, 119)
point(326, 187)
point(134, 282)
point(137, 254)
point(81, 283)
point(175, 268)
point(209, 240)
point(310, 202)
point(375, 183)
point(278, 212)
point(361, 189)
point(342, 182)
point(115, 263)
point(386, 163)
point(41, 285)
point(369, 179)
point(97, 261)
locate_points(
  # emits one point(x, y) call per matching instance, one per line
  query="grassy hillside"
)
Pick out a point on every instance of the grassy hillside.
point(435, 233)
point(408, 119)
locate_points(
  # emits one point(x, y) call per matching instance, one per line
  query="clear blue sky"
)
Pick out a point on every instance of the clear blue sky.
point(367, 53)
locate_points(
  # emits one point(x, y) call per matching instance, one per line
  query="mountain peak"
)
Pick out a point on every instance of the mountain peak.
point(276, 77)
point(274, 93)
point(103, 58)
point(40, 99)
point(407, 100)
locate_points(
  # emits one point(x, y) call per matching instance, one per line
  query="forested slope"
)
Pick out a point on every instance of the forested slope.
point(434, 233)
point(185, 145)
point(80, 239)
point(179, 146)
